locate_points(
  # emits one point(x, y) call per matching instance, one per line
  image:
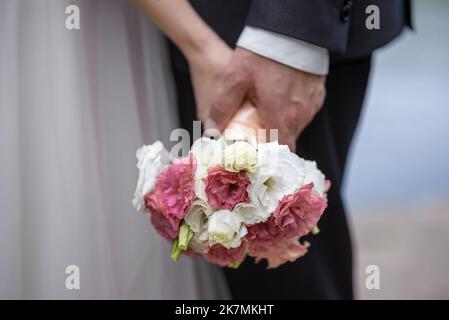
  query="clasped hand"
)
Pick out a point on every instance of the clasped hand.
point(287, 99)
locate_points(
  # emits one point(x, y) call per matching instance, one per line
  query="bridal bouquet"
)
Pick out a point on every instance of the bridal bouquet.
point(230, 198)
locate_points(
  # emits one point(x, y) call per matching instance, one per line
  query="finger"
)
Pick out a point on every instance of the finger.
point(288, 138)
point(292, 144)
point(285, 134)
point(275, 117)
point(270, 112)
point(228, 98)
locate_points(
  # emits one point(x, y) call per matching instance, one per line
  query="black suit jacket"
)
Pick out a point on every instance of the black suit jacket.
point(338, 25)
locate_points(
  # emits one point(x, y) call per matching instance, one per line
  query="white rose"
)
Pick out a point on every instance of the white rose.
point(208, 153)
point(197, 219)
point(279, 173)
point(225, 228)
point(240, 155)
point(198, 246)
point(257, 210)
point(251, 213)
point(197, 215)
point(313, 174)
point(151, 161)
point(199, 242)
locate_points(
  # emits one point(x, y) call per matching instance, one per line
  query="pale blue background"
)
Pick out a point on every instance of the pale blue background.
point(401, 150)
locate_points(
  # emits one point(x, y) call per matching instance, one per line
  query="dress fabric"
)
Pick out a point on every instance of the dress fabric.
point(74, 107)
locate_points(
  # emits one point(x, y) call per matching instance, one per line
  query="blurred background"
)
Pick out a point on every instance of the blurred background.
point(397, 183)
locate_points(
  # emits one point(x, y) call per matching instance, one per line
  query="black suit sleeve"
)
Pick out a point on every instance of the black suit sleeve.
point(321, 22)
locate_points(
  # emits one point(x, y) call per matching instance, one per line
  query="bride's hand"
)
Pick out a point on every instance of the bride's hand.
point(206, 67)
point(205, 51)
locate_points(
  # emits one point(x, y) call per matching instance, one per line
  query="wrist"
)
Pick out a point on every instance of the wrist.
point(201, 46)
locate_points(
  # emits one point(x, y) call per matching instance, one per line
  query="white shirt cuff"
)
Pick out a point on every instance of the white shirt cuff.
point(292, 52)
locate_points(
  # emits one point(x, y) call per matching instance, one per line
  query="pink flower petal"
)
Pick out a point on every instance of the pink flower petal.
point(225, 189)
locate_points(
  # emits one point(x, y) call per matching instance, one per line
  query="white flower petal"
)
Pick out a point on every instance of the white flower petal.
point(240, 155)
point(313, 174)
point(224, 227)
point(197, 215)
point(208, 153)
point(279, 173)
point(151, 161)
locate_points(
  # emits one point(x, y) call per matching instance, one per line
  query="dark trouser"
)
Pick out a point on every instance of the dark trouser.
point(325, 272)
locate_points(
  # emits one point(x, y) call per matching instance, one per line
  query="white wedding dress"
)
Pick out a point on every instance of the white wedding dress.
point(74, 107)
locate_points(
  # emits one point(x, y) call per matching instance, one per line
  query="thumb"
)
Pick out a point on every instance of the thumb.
point(227, 99)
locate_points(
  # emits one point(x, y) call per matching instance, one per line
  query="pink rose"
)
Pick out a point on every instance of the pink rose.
point(175, 188)
point(299, 212)
point(264, 232)
point(223, 257)
point(225, 189)
point(166, 226)
point(278, 252)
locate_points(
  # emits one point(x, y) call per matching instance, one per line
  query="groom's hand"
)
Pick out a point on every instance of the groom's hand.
point(287, 99)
